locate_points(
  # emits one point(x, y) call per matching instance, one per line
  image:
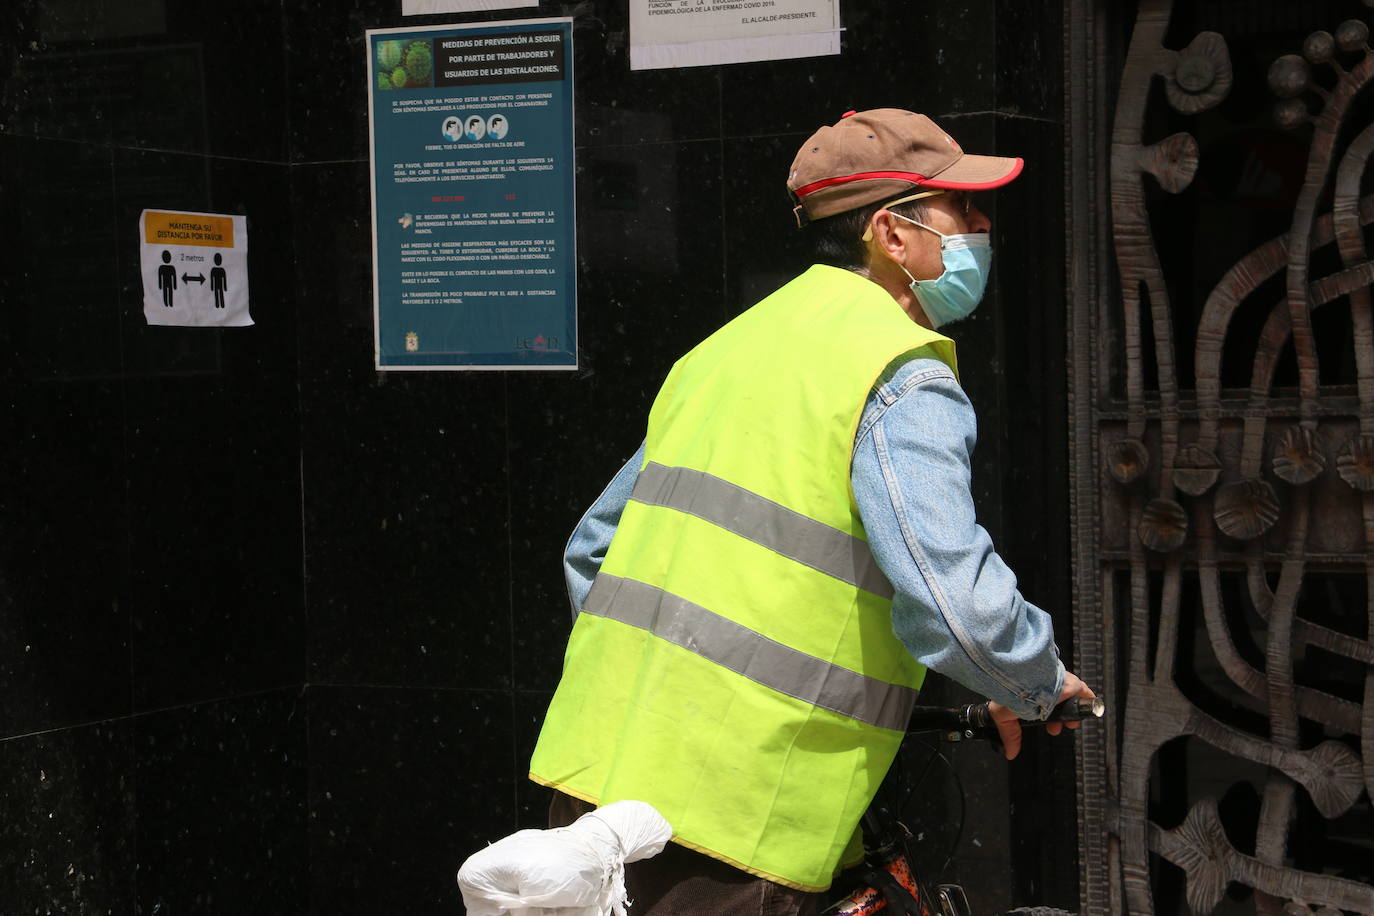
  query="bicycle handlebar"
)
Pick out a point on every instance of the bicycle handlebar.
point(975, 719)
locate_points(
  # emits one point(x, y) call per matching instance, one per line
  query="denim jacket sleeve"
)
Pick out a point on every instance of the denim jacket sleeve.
point(592, 537)
point(956, 605)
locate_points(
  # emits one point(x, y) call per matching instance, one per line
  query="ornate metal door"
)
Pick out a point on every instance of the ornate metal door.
point(1222, 344)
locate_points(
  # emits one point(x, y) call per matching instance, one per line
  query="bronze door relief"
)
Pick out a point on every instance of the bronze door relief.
point(1222, 395)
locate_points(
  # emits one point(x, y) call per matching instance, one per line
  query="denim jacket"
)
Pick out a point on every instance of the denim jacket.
point(956, 606)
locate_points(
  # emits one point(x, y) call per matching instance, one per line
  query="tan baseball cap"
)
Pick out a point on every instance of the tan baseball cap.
point(870, 156)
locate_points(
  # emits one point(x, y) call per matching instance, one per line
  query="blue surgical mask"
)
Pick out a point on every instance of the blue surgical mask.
point(956, 292)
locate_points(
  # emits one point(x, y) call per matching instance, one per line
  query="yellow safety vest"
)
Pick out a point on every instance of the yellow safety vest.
point(734, 664)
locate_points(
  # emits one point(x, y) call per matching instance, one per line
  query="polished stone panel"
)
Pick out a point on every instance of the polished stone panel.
point(406, 492)
point(1032, 313)
point(171, 75)
point(212, 434)
point(231, 51)
point(764, 249)
point(221, 806)
point(51, 84)
point(1030, 60)
point(61, 321)
point(326, 47)
point(64, 589)
point(67, 813)
point(405, 785)
point(63, 567)
point(333, 290)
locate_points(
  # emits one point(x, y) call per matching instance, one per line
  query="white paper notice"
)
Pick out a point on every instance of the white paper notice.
point(195, 269)
point(427, 7)
point(695, 33)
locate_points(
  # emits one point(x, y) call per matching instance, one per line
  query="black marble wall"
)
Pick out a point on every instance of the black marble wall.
point(277, 630)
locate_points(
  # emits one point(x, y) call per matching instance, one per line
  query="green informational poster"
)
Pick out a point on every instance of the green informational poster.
point(473, 222)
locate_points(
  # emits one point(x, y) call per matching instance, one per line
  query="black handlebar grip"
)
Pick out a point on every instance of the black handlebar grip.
point(1076, 709)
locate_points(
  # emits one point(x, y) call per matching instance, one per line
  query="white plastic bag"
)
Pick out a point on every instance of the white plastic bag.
point(568, 871)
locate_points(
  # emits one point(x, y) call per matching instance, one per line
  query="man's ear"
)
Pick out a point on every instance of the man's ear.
point(886, 235)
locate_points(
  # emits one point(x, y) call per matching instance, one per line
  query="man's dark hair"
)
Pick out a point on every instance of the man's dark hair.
point(838, 240)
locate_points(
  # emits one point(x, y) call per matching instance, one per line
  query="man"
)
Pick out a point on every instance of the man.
point(759, 588)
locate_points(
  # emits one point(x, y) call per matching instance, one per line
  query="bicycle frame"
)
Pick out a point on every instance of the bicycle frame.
point(889, 884)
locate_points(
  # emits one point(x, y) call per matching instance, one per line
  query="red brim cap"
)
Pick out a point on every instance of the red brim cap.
point(967, 173)
point(872, 156)
point(975, 173)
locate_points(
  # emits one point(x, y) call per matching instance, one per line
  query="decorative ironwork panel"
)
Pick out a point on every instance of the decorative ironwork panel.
point(1223, 401)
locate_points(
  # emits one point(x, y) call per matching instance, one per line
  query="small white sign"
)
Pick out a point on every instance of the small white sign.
point(696, 33)
point(428, 7)
point(195, 269)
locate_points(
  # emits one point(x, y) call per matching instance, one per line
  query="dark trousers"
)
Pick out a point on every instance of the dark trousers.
point(682, 882)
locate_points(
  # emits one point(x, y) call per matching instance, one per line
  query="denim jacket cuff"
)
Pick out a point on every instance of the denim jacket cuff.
point(1040, 703)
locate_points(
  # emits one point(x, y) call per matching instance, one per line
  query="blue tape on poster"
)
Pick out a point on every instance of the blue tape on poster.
point(474, 229)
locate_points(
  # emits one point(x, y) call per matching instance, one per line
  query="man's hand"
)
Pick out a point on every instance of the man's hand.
point(1009, 726)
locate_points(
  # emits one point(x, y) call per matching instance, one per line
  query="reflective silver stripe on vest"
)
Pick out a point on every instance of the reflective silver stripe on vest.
point(749, 653)
point(764, 522)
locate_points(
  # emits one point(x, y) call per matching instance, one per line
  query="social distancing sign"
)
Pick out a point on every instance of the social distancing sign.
point(195, 269)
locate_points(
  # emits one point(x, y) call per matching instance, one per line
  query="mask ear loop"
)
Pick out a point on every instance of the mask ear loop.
point(913, 222)
point(868, 231)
